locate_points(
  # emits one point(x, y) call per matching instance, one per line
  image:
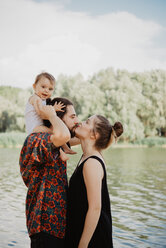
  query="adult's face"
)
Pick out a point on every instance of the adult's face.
point(70, 119)
point(86, 128)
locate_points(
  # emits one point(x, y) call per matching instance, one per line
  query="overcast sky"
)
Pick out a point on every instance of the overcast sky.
point(72, 36)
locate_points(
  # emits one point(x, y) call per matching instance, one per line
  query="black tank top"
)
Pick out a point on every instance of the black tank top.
point(77, 209)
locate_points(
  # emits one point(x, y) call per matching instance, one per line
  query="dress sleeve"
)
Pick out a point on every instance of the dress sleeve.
point(44, 150)
point(38, 150)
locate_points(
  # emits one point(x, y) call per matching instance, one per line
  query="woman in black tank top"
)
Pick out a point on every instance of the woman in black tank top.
point(89, 222)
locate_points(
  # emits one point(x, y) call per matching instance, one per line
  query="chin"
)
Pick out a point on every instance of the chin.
point(77, 134)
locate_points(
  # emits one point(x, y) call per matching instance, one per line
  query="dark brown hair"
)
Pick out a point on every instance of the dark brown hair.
point(60, 114)
point(46, 75)
point(107, 133)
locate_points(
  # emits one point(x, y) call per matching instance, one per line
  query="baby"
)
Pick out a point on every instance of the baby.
point(43, 87)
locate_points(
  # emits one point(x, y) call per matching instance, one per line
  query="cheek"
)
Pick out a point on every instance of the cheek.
point(72, 122)
point(40, 89)
point(68, 123)
point(79, 133)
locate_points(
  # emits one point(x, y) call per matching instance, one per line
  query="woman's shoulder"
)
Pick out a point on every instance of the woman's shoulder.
point(95, 160)
point(94, 165)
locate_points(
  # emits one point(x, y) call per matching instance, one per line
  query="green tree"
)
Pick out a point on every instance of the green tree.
point(7, 121)
point(152, 111)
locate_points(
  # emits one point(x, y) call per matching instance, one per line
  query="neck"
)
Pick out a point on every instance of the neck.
point(89, 149)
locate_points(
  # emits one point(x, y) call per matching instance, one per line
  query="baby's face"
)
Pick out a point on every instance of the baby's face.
point(44, 88)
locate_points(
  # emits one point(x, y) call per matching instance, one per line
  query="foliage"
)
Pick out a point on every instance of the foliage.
point(12, 139)
point(138, 100)
point(12, 106)
point(151, 141)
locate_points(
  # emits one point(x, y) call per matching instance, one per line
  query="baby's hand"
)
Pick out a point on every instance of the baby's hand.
point(59, 106)
point(63, 155)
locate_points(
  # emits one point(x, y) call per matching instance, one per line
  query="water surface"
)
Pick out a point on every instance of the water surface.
point(137, 186)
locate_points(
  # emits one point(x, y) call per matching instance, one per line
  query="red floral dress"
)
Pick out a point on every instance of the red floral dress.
point(44, 173)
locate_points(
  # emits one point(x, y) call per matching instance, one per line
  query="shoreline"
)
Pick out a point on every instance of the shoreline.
point(16, 140)
point(19, 146)
point(137, 146)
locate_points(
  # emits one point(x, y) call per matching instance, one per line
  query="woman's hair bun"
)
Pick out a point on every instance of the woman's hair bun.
point(118, 128)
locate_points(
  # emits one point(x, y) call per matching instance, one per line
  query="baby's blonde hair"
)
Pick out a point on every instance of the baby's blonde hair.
point(46, 75)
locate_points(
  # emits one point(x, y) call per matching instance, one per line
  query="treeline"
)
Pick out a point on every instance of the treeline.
point(138, 100)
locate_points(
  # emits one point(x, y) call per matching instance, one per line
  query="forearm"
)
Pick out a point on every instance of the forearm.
point(74, 141)
point(61, 134)
point(91, 220)
point(42, 129)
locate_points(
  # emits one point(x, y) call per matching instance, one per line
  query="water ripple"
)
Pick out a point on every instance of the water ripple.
point(136, 182)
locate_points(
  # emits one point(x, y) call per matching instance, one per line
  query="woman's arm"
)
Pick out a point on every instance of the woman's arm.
point(93, 174)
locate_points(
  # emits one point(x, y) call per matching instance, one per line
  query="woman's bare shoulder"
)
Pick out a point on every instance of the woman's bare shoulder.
point(93, 167)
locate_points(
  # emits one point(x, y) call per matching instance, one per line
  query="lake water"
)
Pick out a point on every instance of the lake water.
point(137, 186)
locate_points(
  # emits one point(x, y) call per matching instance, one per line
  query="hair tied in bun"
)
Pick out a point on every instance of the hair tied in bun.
point(114, 134)
point(118, 129)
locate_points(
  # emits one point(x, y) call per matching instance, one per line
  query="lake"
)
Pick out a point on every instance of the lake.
point(137, 187)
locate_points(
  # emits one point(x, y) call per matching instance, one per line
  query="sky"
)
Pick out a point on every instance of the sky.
point(79, 36)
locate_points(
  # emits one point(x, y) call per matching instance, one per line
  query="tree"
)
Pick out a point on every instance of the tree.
point(6, 121)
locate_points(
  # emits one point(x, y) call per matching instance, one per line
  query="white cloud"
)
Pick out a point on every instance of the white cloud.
point(44, 36)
